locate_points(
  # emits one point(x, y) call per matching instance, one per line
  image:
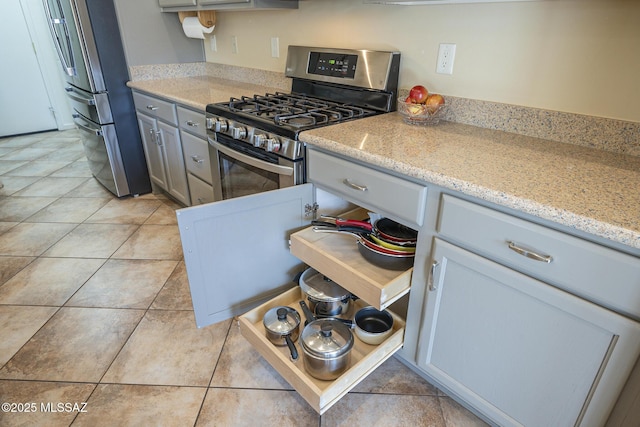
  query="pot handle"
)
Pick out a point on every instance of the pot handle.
point(296, 278)
point(307, 313)
point(292, 347)
point(348, 323)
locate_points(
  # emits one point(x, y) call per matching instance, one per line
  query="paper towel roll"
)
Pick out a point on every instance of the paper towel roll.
point(194, 29)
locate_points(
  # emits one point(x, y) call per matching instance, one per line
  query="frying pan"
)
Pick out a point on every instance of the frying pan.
point(385, 229)
point(365, 240)
point(393, 231)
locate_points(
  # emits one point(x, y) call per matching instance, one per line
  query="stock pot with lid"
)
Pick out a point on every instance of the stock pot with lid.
point(326, 346)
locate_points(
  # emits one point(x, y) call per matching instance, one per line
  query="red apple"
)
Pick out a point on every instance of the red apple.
point(434, 101)
point(409, 100)
point(419, 94)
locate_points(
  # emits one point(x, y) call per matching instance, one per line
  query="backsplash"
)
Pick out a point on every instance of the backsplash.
point(588, 131)
point(168, 71)
point(228, 72)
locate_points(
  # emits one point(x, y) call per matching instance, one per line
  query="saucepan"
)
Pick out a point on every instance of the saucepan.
point(325, 297)
point(326, 346)
point(282, 325)
point(372, 325)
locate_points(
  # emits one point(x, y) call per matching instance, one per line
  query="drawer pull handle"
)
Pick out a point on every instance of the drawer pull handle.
point(152, 107)
point(197, 159)
point(528, 253)
point(192, 124)
point(354, 186)
point(432, 272)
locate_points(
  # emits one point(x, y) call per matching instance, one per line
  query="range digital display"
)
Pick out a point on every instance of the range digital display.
point(332, 64)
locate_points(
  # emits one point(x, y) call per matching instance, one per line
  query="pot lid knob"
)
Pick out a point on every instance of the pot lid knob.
point(327, 338)
point(326, 329)
point(281, 320)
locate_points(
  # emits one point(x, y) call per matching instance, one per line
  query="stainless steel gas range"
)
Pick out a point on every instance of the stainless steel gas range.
point(254, 141)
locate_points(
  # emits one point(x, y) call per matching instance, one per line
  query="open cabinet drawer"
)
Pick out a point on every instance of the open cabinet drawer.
point(339, 255)
point(321, 395)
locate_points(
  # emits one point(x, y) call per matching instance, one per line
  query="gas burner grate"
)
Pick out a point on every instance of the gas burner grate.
point(310, 118)
point(295, 110)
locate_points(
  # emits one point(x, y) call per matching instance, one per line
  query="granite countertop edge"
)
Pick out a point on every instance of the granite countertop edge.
point(600, 228)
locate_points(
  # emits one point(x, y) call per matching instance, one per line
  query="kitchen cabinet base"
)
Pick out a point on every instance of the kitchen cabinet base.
point(321, 395)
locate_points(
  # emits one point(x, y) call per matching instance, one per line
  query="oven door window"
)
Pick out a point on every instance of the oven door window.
point(244, 170)
point(240, 179)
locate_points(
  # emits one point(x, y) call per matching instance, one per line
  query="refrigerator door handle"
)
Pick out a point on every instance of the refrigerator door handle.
point(95, 131)
point(68, 67)
point(77, 97)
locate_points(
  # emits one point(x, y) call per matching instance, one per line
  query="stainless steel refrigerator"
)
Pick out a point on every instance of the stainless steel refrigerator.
point(87, 39)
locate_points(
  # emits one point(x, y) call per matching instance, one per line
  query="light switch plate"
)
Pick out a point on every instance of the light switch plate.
point(234, 44)
point(213, 43)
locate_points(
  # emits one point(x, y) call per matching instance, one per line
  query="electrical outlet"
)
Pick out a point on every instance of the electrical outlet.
point(446, 55)
point(213, 43)
point(234, 44)
point(275, 47)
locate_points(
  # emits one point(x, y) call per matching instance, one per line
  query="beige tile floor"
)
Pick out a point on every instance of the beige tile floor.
point(95, 308)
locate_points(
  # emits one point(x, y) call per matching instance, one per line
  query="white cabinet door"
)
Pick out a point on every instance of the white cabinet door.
point(519, 350)
point(152, 150)
point(237, 251)
point(174, 162)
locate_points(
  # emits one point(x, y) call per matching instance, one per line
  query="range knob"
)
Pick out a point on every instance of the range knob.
point(209, 123)
point(219, 125)
point(239, 132)
point(259, 140)
point(273, 145)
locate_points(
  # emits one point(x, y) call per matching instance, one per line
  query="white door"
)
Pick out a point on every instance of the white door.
point(24, 103)
point(237, 251)
point(522, 352)
point(174, 161)
point(152, 150)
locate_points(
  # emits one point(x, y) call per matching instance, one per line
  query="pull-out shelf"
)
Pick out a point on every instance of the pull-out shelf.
point(337, 256)
point(321, 395)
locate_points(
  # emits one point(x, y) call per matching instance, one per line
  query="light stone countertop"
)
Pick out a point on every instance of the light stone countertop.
point(198, 91)
point(586, 189)
point(591, 190)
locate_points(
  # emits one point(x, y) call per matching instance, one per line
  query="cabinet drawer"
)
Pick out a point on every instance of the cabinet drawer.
point(321, 395)
point(200, 191)
point(192, 121)
point(338, 256)
point(196, 156)
point(368, 188)
point(172, 3)
point(599, 274)
point(163, 110)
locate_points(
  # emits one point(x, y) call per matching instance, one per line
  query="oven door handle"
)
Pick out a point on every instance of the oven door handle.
point(252, 161)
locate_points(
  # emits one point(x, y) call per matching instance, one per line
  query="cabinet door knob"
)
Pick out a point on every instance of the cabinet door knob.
point(528, 253)
point(152, 107)
point(197, 159)
point(192, 124)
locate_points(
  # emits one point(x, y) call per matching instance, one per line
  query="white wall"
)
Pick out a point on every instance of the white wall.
point(153, 37)
point(579, 56)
